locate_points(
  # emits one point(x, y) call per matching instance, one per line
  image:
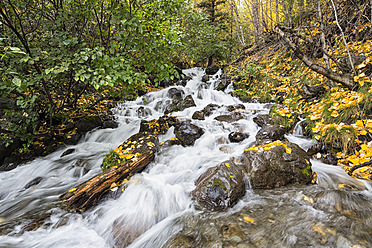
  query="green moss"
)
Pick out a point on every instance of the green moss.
point(110, 160)
point(306, 170)
point(219, 184)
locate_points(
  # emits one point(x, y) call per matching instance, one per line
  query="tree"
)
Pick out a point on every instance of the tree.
point(55, 51)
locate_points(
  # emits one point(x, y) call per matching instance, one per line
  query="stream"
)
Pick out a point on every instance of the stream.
point(156, 206)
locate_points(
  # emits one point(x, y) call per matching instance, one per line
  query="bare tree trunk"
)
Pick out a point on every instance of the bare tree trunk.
point(345, 80)
point(322, 36)
point(255, 19)
point(240, 32)
point(343, 37)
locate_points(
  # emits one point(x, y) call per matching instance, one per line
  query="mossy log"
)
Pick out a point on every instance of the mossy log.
point(131, 157)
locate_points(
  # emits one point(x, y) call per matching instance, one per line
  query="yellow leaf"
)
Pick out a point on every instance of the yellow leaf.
point(150, 144)
point(319, 229)
point(72, 190)
point(334, 113)
point(249, 219)
point(288, 150)
point(227, 164)
point(129, 156)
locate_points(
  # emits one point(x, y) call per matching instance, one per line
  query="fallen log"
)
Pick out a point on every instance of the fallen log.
point(129, 158)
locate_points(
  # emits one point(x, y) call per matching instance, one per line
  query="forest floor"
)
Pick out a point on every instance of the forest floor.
point(340, 119)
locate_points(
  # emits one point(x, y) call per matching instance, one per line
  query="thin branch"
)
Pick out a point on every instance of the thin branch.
point(343, 37)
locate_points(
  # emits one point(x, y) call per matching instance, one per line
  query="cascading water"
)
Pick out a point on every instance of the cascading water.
point(156, 204)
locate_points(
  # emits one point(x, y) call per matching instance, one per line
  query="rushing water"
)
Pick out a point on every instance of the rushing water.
point(335, 213)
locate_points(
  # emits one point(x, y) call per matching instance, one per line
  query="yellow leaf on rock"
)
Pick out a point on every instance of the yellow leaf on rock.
point(249, 219)
point(319, 229)
point(227, 164)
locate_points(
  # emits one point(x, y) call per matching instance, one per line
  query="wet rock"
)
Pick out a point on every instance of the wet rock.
point(183, 81)
point(208, 110)
point(343, 202)
point(212, 69)
point(187, 133)
point(172, 142)
point(237, 137)
point(263, 120)
point(330, 159)
point(143, 112)
point(205, 78)
point(314, 149)
point(235, 116)
point(67, 152)
point(33, 182)
point(110, 124)
point(271, 132)
point(220, 187)
point(223, 82)
point(181, 241)
point(222, 140)
point(198, 115)
point(176, 105)
point(232, 232)
point(158, 126)
point(276, 164)
point(175, 93)
point(88, 123)
point(232, 108)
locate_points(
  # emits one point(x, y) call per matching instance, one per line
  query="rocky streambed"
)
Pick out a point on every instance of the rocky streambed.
point(220, 174)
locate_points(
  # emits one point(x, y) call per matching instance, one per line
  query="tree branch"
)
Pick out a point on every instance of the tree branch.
point(345, 80)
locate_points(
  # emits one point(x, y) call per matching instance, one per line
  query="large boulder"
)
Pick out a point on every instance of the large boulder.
point(88, 123)
point(271, 132)
point(220, 187)
point(179, 105)
point(276, 164)
point(175, 94)
point(187, 133)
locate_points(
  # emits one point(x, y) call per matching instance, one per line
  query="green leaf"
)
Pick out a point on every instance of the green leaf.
point(16, 81)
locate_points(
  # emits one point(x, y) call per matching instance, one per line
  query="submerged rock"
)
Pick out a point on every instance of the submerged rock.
point(271, 132)
point(276, 164)
point(220, 187)
point(187, 133)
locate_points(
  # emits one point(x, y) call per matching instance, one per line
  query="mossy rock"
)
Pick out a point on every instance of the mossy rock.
point(220, 187)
